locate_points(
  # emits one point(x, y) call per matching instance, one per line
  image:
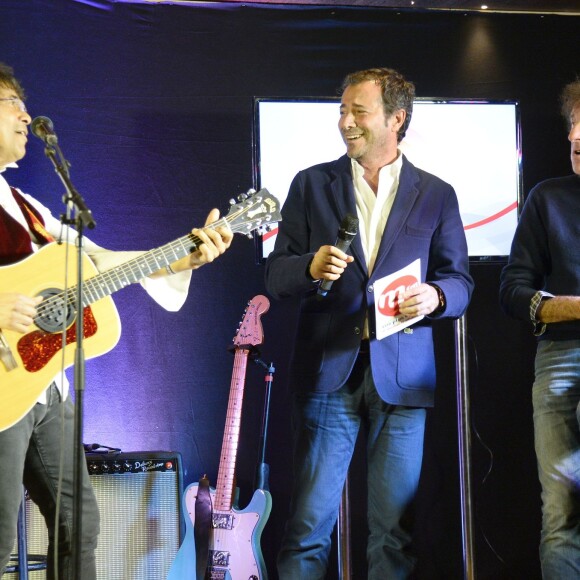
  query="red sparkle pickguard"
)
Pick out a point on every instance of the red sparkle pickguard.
point(38, 347)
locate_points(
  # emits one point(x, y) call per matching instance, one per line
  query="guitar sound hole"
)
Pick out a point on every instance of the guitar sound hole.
point(51, 312)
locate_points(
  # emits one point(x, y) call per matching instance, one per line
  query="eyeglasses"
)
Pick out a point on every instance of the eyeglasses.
point(16, 103)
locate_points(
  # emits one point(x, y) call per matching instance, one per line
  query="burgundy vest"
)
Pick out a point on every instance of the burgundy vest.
point(15, 243)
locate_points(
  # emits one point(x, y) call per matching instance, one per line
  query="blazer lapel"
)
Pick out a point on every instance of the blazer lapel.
point(344, 202)
point(405, 198)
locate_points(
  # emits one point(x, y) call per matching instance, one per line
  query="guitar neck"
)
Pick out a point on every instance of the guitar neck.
point(136, 269)
point(253, 212)
point(109, 281)
point(226, 473)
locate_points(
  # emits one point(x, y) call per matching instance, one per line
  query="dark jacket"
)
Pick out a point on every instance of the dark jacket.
point(424, 223)
point(545, 254)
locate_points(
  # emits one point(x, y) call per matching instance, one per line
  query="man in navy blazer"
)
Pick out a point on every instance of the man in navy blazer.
point(342, 375)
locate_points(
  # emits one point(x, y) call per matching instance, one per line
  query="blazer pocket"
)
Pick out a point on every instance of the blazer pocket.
point(418, 232)
point(416, 363)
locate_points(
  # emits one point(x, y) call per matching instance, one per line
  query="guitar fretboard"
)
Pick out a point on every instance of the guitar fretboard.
point(226, 473)
point(138, 268)
point(109, 281)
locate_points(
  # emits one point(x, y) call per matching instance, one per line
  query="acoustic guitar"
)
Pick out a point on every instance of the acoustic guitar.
point(28, 362)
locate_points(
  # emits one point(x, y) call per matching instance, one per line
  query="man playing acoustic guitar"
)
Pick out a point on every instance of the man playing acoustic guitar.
point(30, 449)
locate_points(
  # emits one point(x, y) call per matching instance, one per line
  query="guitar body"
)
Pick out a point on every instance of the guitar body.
point(234, 543)
point(38, 354)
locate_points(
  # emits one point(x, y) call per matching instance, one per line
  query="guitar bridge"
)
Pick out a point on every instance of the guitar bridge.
point(6, 355)
point(220, 559)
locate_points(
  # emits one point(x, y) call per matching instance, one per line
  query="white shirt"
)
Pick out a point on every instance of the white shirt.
point(373, 210)
point(169, 291)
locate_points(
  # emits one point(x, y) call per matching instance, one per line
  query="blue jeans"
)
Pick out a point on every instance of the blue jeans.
point(326, 426)
point(30, 453)
point(556, 397)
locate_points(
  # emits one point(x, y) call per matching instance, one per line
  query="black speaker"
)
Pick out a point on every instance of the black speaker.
point(139, 496)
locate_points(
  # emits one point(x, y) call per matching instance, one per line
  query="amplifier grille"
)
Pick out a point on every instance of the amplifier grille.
point(139, 497)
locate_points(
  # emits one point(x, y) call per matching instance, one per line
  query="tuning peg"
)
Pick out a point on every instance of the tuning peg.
point(232, 201)
point(249, 236)
point(242, 197)
point(251, 191)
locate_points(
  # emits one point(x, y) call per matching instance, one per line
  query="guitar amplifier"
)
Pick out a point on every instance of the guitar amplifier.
point(139, 496)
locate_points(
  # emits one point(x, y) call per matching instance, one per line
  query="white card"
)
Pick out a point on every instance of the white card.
point(387, 290)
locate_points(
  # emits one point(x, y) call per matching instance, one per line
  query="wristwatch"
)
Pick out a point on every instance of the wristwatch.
point(442, 303)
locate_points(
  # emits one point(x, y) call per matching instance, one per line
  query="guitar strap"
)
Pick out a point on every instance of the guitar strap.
point(33, 219)
point(202, 527)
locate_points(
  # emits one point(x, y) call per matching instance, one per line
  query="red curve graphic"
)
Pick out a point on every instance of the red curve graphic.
point(493, 217)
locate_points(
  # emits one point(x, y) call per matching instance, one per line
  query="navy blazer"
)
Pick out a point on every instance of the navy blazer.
point(424, 223)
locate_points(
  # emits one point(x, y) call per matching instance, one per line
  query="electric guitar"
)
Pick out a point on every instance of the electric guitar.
point(28, 362)
point(234, 535)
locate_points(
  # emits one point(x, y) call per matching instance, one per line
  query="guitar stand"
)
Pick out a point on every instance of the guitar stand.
point(263, 469)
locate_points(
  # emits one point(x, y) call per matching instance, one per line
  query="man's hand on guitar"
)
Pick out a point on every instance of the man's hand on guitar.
point(213, 243)
point(17, 311)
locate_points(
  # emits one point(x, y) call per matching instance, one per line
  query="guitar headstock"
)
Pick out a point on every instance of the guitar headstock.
point(255, 210)
point(250, 332)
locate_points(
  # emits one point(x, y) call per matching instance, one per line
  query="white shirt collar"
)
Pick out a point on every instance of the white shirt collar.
point(393, 169)
point(3, 169)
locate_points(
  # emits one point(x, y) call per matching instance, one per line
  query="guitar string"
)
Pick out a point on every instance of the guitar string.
point(57, 299)
point(107, 277)
point(97, 282)
point(92, 283)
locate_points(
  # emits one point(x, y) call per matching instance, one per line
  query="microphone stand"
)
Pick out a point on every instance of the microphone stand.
point(263, 469)
point(84, 218)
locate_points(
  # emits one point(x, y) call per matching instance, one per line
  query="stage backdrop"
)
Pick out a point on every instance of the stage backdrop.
point(152, 105)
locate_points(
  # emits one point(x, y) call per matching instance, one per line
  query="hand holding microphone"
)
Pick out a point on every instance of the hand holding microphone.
point(329, 262)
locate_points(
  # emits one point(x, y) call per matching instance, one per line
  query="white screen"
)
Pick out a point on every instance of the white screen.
point(473, 145)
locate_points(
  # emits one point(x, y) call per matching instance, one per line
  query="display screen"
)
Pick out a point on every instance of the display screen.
point(474, 145)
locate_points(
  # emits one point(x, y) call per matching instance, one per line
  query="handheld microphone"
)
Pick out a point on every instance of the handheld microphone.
point(43, 128)
point(346, 234)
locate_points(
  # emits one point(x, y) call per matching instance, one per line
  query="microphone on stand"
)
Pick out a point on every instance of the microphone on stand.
point(346, 234)
point(43, 128)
